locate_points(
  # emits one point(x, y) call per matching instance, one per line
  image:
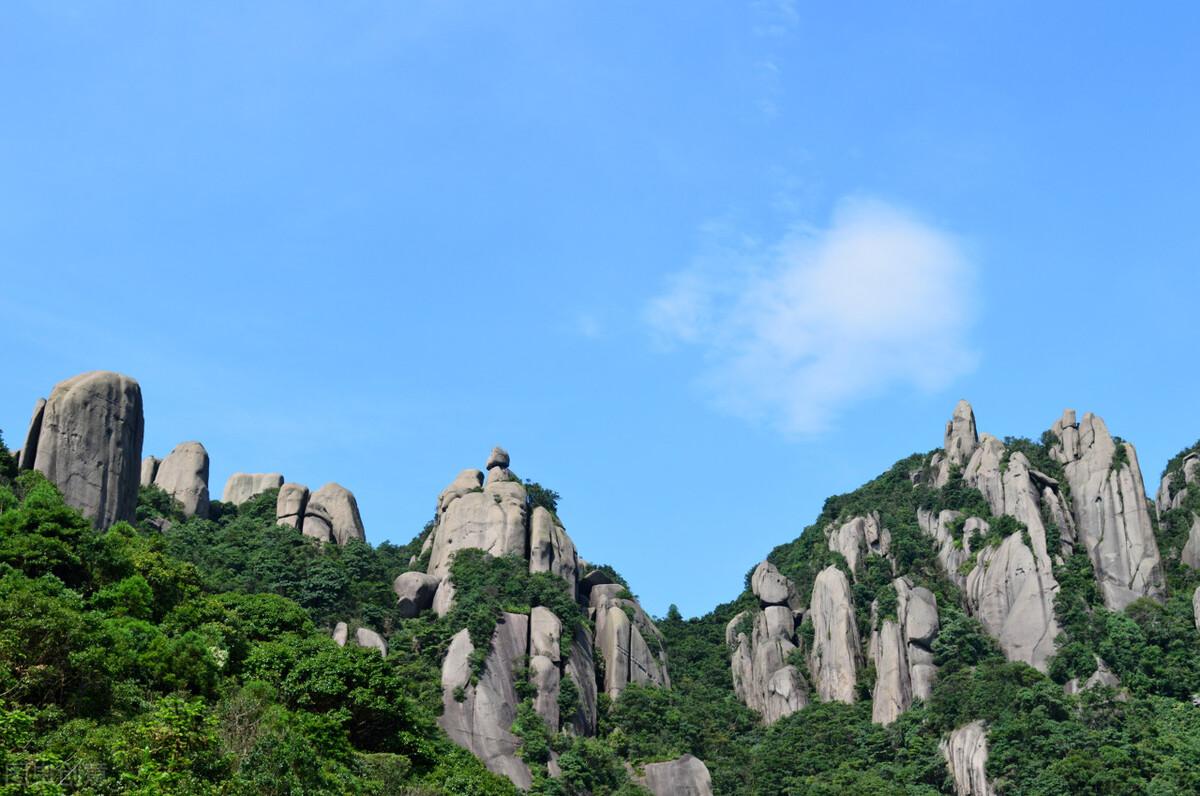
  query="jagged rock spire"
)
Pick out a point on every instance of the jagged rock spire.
point(961, 435)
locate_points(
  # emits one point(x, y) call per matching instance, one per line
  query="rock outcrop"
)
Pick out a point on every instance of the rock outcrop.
point(363, 637)
point(762, 644)
point(28, 452)
point(1112, 520)
point(492, 518)
point(242, 486)
point(836, 651)
point(183, 475)
point(858, 538)
point(550, 549)
point(687, 776)
point(90, 444)
point(629, 643)
point(478, 716)
point(1103, 677)
point(414, 592)
point(290, 505)
point(331, 515)
point(966, 754)
point(149, 470)
point(960, 443)
point(901, 648)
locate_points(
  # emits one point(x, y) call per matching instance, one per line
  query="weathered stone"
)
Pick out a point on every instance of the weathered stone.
point(833, 660)
point(550, 549)
point(771, 587)
point(1111, 516)
point(687, 776)
point(479, 717)
point(966, 754)
point(242, 486)
point(150, 466)
point(622, 630)
point(1013, 597)
point(1196, 607)
point(336, 504)
point(183, 475)
point(492, 520)
point(605, 592)
point(498, 458)
point(544, 675)
point(545, 630)
point(28, 453)
point(414, 592)
point(465, 482)
point(581, 669)
point(90, 444)
point(960, 442)
point(858, 538)
point(900, 650)
point(1190, 555)
point(290, 505)
point(341, 632)
point(763, 678)
point(443, 600)
point(365, 637)
point(1103, 677)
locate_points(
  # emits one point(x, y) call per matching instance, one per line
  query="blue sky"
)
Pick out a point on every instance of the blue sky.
point(696, 265)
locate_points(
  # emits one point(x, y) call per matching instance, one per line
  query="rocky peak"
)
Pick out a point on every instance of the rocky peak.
point(183, 475)
point(961, 435)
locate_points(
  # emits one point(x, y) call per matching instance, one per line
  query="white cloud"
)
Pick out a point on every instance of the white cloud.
point(797, 333)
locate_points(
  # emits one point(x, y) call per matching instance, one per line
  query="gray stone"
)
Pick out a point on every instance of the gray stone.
point(834, 658)
point(550, 549)
point(1190, 555)
point(150, 466)
point(443, 600)
point(90, 444)
point(763, 678)
point(414, 592)
point(900, 650)
point(290, 505)
point(1196, 607)
point(545, 630)
point(465, 482)
point(335, 505)
point(498, 458)
point(581, 669)
point(341, 632)
point(622, 630)
point(769, 585)
point(1103, 677)
point(481, 721)
point(492, 520)
point(858, 538)
point(369, 639)
point(183, 475)
point(687, 776)
point(242, 486)
point(28, 453)
point(960, 442)
point(1111, 516)
point(966, 754)
point(544, 675)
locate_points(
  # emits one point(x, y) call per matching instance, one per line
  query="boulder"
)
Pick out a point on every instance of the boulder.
point(28, 452)
point(443, 600)
point(290, 505)
point(341, 632)
point(242, 486)
point(465, 482)
point(1012, 595)
point(763, 678)
point(834, 658)
point(1112, 520)
point(900, 648)
point(1190, 555)
point(966, 754)
point(479, 717)
point(545, 630)
point(1103, 677)
point(960, 442)
point(498, 458)
point(550, 549)
point(365, 637)
point(624, 635)
point(334, 507)
point(492, 519)
point(544, 675)
point(90, 444)
point(858, 538)
point(414, 592)
point(183, 475)
point(687, 776)
point(771, 587)
point(150, 466)
point(1196, 607)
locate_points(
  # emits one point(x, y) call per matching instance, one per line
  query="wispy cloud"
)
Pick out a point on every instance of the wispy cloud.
point(798, 332)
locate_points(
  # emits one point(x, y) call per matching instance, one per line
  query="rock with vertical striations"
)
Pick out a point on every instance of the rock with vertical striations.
point(332, 515)
point(290, 505)
point(90, 444)
point(960, 442)
point(545, 677)
point(545, 631)
point(901, 648)
point(550, 549)
point(242, 486)
point(183, 475)
point(764, 679)
point(479, 716)
point(150, 466)
point(859, 538)
point(1112, 520)
point(834, 658)
point(624, 635)
point(581, 668)
point(28, 452)
point(687, 776)
point(966, 754)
